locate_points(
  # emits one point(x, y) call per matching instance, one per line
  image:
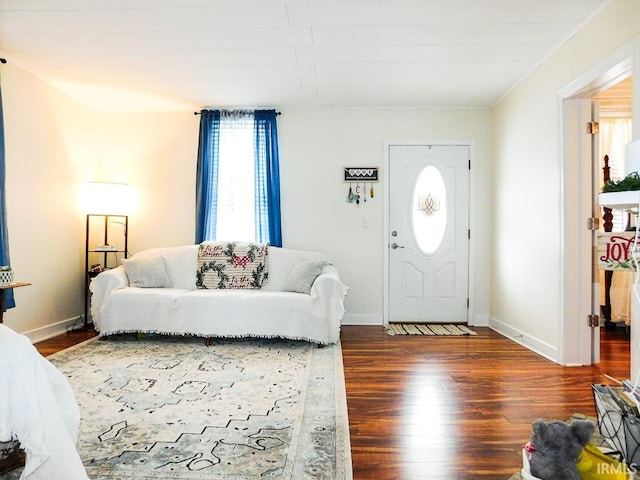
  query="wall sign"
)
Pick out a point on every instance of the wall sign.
point(358, 178)
point(614, 251)
point(360, 174)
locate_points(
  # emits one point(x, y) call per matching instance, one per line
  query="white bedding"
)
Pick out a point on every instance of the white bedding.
point(38, 408)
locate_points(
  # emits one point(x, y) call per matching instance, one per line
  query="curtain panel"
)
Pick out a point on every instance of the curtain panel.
point(267, 178)
point(4, 235)
point(207, 175)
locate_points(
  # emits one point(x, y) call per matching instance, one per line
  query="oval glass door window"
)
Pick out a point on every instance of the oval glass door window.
point(429, 207)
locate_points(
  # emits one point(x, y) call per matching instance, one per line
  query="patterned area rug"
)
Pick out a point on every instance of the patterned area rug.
point(428, 329)
point(171, 407)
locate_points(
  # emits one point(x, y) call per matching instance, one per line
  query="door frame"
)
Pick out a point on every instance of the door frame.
point(386, 231)
point(576, 292)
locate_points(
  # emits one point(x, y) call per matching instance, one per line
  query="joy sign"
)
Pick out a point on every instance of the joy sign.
point(615, 251)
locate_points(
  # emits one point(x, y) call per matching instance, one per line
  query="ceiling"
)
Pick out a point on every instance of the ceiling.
point(184, 54)
point(616, 101)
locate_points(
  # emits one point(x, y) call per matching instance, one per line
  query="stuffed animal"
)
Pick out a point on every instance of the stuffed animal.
point(556, 447)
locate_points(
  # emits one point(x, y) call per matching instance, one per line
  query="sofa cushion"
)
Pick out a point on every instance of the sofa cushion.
point(232, 265)
point(281, 263)
point(146, 272)
point(181, 265)
point(302, 276)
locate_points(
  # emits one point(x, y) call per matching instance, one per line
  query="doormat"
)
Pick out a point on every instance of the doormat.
point(432, 329)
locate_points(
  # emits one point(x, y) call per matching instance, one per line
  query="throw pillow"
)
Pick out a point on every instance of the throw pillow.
point(282, 261)
point(146, 272)
point(302, 276)
point(232, 265)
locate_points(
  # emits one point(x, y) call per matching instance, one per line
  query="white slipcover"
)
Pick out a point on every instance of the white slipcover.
point(183, 309)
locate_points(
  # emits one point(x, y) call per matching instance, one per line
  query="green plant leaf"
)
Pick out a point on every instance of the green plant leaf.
point(629, 183)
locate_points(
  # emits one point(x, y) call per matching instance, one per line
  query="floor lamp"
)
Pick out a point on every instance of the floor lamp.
point(111, 203)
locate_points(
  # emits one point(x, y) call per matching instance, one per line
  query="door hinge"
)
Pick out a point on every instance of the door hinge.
point(593, 223)
point(593, 128)
point(593, 320)
point(467, 303)
point(469, 164)
point(469, 234)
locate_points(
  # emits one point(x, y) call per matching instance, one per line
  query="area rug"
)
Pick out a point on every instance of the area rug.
point(428, 329)
point(173, 408)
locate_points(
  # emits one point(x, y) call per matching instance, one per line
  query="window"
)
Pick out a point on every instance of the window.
point(236, 172)
point(429, 214)
point(237, 186)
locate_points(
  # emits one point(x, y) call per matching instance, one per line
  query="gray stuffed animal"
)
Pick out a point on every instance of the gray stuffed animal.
point(557, 447)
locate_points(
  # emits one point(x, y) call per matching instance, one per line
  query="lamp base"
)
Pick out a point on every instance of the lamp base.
point(81, 325)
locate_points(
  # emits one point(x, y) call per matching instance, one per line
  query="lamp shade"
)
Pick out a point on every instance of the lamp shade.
point(632, 157)
point(101, 198)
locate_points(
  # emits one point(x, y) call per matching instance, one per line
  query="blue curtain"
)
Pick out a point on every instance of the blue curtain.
point(4, 236)
point(207, 175)
point(267, 179)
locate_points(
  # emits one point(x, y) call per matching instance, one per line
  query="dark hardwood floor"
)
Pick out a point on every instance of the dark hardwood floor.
point(457, 407)
point(60, 342)
point(450, 407)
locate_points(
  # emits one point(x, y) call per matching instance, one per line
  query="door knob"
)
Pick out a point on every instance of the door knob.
point(394, 245)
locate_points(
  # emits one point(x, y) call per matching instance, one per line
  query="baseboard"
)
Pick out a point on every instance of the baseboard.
point(535, 345)
point(480, 321)
point(362, 319)
point(53, 330)
point(374, 319)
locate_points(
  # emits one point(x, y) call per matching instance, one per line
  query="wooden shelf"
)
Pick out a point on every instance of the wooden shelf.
point(102, 253)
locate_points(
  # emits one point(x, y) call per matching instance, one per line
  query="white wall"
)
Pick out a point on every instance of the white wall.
point(526, 271)
point(315, 145)
point(48, 139)
point(156, 154)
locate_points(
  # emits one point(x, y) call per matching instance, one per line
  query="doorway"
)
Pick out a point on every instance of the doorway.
point(579, 287)
point(428, 234)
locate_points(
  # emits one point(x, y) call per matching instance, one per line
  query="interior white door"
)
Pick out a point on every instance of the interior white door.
point(428, 233)
point(579, 287)
point(596, 183)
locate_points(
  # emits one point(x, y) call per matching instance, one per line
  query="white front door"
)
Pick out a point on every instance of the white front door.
point(428, 233)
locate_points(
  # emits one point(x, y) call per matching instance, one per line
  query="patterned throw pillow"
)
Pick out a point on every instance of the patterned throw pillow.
point(232, 265)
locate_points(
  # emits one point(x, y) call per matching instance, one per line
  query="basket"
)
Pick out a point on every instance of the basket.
point(618, 423)
point(6, 277)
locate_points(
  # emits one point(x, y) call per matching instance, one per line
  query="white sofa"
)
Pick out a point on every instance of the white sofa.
point(182, 308)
